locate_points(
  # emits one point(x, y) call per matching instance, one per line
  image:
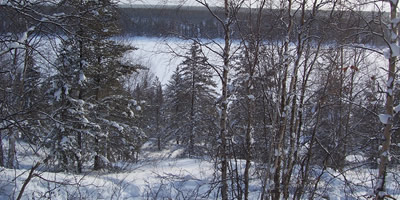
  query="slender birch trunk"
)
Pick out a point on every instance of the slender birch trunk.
point(380, 190)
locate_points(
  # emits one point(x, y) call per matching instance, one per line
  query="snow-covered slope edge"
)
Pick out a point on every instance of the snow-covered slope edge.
point(167, 179)
point(164, 175)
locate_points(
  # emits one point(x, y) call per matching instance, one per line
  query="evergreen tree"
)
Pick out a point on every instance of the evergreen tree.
point(70, 110)
point(88, 92)
point(119, 136)
point(173, 107)
point(192, 95)
point(149, 92)
point(155, 114)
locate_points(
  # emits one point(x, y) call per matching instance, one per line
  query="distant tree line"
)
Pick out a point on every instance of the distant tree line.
point(196, 22)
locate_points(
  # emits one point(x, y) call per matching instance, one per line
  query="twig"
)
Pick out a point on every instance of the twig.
point(30, 176)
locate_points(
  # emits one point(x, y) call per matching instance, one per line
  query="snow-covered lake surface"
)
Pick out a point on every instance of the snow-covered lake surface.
point(163, 55)
point(155, 54)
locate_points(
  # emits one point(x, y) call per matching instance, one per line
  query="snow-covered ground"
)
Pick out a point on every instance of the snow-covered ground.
point(163, 175)
point(157, 175)
point(145, 180)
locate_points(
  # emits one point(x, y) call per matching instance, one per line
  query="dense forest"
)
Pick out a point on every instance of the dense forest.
point(284, 102)
point(164, 21)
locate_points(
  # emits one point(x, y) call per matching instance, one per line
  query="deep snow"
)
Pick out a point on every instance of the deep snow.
point(164, 175)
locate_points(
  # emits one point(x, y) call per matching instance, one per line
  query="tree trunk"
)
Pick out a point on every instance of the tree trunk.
point(98, 162)
point(158, 128)
point(299, 121)
point(159, 143)
point(11, 161)
point(387, 134)
point(27, 180)
point(307, 160)
point(192, 119)
point(248, 135)
point(79, 157)
point(282, 119)
point(305, 173)
point(80, 97)
point(252, 49)
point(223, 133)
point(224, 104)
point(1, 151)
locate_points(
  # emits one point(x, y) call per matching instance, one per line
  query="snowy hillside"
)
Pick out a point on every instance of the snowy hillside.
point(163, 175)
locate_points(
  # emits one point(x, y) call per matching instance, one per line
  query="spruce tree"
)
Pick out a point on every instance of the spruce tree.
point(94, 114)
point(174, 107)
point(192, 94)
